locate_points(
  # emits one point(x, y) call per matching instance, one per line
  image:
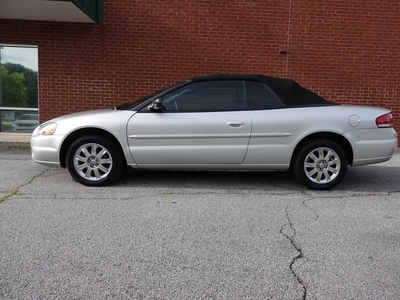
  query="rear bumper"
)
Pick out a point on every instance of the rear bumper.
point(371, 146)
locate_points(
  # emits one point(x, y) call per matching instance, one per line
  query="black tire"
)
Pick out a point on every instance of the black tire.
point(94, 161)
point(320, 165)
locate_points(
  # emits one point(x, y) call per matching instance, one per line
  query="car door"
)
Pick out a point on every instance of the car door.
point(272, 141)
point(200, 124)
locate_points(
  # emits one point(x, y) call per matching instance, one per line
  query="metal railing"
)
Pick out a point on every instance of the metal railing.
point(8, 116)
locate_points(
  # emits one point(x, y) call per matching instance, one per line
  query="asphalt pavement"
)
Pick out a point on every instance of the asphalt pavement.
point(197, 235)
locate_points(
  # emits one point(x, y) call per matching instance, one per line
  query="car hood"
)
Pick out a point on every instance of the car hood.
point(85, 114)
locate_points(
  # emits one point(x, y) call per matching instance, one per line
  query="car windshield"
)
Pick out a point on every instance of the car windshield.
point(131, 105)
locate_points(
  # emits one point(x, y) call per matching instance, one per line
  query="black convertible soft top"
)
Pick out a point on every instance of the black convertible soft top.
point(288, 91)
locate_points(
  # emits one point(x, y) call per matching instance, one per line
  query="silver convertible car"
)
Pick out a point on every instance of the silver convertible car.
point(220, 122)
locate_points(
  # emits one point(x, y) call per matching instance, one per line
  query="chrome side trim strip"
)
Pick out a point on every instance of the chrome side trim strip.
point(272, 134)
point(187, 136)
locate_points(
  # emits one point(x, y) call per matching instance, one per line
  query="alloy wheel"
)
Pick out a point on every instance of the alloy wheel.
point(322, 165)
point(93, 162)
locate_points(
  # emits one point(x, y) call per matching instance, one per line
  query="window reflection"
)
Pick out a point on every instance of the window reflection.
point(19, 120)
point(18, 88)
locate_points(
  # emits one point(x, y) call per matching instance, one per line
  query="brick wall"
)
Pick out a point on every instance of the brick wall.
point(344, 50)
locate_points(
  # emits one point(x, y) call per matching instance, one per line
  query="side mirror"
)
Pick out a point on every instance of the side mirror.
point(156, 105)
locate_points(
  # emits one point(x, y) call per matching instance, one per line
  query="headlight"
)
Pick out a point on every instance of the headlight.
point(46, 129)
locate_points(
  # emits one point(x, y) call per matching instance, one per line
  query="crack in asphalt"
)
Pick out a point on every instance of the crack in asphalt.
point(310, 208)
point(16, 190)
point(350, 195)
point(291, 239)
point(389, 193)
point(165, 194)
point(244, 193)
point(289, 232)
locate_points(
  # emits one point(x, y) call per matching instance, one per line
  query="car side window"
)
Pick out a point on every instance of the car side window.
point(260, 97)
point(207, 96)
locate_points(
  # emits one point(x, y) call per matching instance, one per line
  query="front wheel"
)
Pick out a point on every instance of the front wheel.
point(94, 161)
point(320, 165)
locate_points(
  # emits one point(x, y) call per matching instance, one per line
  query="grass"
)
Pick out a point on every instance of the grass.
point(14, 146)
point(13, 192)
point(167, 193)
point(16, 190)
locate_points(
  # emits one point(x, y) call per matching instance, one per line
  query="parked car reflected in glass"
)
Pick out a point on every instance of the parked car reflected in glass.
point(25, 123)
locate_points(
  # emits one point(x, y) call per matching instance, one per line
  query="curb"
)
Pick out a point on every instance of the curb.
point(11, 139)
point(20, 145)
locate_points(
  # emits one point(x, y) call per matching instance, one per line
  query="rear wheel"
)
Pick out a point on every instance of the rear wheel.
point(320, 165)
point(94, 161)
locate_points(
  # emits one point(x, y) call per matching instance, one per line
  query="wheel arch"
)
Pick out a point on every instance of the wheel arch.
point(332, 136)
point(73, 136)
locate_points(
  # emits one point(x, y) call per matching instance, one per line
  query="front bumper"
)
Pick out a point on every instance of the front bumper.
point(46, 149)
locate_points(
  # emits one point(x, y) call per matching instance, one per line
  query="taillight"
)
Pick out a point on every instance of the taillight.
point(384, 121)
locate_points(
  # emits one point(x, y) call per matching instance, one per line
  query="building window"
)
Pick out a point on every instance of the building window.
point(18, 88)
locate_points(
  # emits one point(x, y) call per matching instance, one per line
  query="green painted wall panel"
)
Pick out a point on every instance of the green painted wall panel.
point(93, 8)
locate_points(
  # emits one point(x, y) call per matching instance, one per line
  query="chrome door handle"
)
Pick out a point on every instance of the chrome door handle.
point(236, 124)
